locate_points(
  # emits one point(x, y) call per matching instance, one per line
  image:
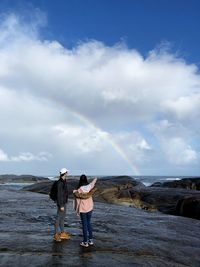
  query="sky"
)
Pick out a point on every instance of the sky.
point(100, 87)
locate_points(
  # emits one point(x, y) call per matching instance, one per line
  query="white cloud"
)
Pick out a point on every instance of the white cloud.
point(117, 80)
point(177, 143)
point(25, 156)
point(80, 139)
point(178, 152)
point(3, 156)
point(184, 108)
point(95, 101)
point(134, 146)
point(144, 145)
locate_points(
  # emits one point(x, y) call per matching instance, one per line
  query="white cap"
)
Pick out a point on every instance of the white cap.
point(63, 170)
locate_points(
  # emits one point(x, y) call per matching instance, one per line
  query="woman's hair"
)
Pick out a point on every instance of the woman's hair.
point(82, 181)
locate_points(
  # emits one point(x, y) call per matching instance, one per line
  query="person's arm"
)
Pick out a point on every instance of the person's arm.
point(87, 188)
point(84, 195)
point(93, 182)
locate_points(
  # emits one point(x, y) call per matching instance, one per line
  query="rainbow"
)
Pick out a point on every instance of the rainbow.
point(109, 139)
point(107, 136)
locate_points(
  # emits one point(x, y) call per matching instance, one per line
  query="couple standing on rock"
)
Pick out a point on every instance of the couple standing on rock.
point(83, 205)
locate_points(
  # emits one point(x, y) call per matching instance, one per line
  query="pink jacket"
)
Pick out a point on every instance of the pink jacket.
point(84, 205)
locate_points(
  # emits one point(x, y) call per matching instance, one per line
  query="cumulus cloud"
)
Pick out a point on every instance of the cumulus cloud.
point(25, 156)
point(3, 156)
point(178, 144)
point(94, 99)
point(117, 80)
point(80, 139)
point(184, 108)
point(179, 152)
point(134, 145)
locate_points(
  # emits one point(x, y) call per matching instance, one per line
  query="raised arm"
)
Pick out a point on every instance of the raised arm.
point(86, 191)
point(93, 182)
point(85, 195)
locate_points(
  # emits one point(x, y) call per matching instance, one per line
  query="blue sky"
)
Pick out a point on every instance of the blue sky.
point(142, 24)
point(101, 87)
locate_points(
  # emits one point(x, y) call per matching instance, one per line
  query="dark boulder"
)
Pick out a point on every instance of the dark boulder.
point(189, 207)
point(158, 198)
point(186, 183)
point(156, 184)
point(108, 187)
point(45, 186)
point(125, 190)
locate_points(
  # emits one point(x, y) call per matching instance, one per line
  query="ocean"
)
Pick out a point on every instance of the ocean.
point(149, 180)
point(146, 180)
point(14, 186)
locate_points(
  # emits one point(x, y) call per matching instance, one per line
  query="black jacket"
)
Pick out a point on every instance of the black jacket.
point(62, 193)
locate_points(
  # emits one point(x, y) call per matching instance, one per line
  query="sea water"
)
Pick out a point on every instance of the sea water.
point(149, 180)
point(15, 186)
point(146, 180)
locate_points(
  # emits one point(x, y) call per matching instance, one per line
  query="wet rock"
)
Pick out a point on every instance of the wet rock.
point(123, 236)
point(106, 186)
point(153, 198)
point(187, 183)
point(189, 207)
point(156, 184)
point(129, 192)
point(163, 199)
point(45, 186)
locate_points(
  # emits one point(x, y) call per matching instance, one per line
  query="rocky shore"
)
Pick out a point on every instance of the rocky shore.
point(181, 200)
point(123, 236)
point(129, 229)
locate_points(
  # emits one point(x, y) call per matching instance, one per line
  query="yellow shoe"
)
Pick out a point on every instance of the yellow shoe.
point(57, 238)
point(64, 235)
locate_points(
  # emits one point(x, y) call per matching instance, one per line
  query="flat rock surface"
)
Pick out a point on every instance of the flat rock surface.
point(124, 236)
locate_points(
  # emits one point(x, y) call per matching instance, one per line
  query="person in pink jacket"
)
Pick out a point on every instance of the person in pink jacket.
point(84, 207)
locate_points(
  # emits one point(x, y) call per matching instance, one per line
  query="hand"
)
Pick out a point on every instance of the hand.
point(62, 209)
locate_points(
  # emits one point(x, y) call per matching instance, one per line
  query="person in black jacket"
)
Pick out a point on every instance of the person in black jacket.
point(62, 198)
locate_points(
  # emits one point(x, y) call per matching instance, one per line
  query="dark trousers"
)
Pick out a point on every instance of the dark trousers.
point(60, 220)
point(86, 225)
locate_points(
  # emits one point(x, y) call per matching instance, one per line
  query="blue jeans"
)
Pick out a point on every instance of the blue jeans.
point(60, 220)
point(86, 224)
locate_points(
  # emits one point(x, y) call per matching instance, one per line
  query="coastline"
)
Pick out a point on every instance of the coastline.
point(123, 236)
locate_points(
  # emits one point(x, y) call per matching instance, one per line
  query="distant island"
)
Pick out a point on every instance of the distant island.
point(26, 178)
